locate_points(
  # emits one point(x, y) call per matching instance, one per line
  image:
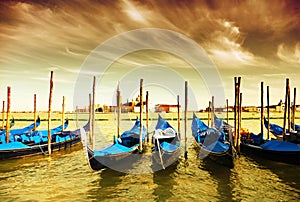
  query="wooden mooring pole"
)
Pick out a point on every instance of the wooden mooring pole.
point(227, 115)
point(118, 109)
point(34, 111)
point(76, 112)
point(178, 117)
point(93, 113)
point(90, 118)
point(268, 112)
point(285, 108)
point(141, 115)
point(209, 113)
point(239, 122)
point(238, 112)
point(262, 108)
point(147, 115)
point(289, 109)
point(63, 114)
point(212, 111)
point(3, 112)
point(49, 114)
point(235, 110)
point(185, 118)
point(294, 110)
point(8, 115)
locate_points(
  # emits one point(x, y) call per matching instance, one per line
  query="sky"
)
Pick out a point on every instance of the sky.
point(166, 43)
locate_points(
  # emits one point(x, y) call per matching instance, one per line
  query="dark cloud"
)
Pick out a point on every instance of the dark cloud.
point(244, 37)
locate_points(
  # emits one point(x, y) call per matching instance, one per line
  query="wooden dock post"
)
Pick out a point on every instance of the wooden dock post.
point(268, 112)
point(8, 115)
point(262, 108)
point(212, 111)
point(239, 123)
point(90, 118)
point(294, 110)
point(227, 115)
point(76, 112)
point(49, 114)
point(119, 109)
point(238, 112)
point(147, 115)
point(3, 106)
point(285, 108)
point(93, 113)
point(141, 115)
point(178, 117)
point(235, 110)
point(208, 113)
point(185, 118)
point(34, 111)
point(63, 114)
point(289, 109)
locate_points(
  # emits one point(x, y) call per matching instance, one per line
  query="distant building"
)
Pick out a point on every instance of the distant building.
point(133, 106)
point(166, 108)
point(220, 109)
point(273, 108)
point(250, 109)
point(278, 108)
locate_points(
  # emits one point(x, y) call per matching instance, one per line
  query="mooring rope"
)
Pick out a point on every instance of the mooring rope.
point(42, 150)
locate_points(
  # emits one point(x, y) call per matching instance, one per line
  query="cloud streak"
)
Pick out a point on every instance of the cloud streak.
point(242, 37)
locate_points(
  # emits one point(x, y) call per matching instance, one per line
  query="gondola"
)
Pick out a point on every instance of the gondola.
point(212, 143)
point(295, 126)
point(121, 154)
point(277, 150)
point(12, 123)
point(37, 143)
point(166, 141)
point(292, 136)
point(15, 134)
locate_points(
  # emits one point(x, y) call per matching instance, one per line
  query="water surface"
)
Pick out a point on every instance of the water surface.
point(65, 176)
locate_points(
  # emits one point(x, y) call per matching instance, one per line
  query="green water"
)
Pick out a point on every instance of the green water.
point(65, 176)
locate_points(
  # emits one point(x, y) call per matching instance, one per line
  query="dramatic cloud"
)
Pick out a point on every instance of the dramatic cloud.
point(289, 54)
point(256, 39)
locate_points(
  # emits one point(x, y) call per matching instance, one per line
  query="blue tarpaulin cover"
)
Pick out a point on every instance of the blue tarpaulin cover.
point(13, 145)
point(211, 138)
point(217, 147)
point(20, 130)
point(257, 139)
point(169, 147)
point(279, 145)
point(132, 137)
point(113, 149)
point(297, 127)
point(162, 124)
point(198, 126)
point(275, 129)
point(43, 134)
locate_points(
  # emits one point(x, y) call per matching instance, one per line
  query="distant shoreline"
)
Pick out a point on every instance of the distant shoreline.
point(56, 116)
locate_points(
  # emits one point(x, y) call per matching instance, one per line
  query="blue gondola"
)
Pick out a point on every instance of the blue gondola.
point(15, 134)
point(276, 130)
point(213, 143)
point(120, 155)
point(37, 142)
point(277, 150)
point(166, 145)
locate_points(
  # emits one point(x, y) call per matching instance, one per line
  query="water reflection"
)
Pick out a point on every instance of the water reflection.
point(164, 179)
point(221, 174)
point(105, 185)
point(289, 174)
